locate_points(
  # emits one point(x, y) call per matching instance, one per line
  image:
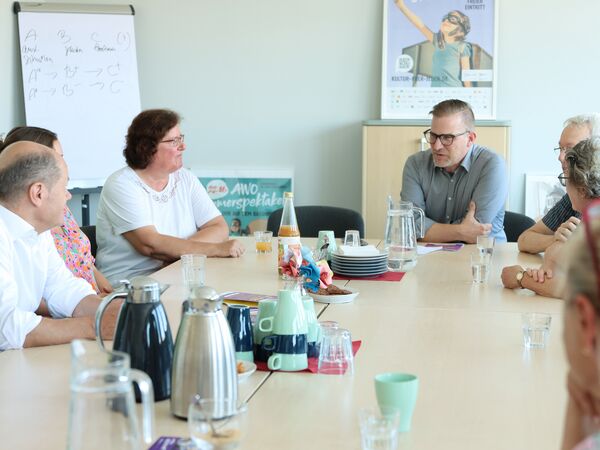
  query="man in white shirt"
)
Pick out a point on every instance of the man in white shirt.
point(36, 288)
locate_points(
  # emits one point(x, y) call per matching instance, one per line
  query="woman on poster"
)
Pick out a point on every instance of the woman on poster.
point(451, 55)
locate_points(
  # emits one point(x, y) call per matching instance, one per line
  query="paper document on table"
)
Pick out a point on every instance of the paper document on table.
point(423, 250)
point(244, 297)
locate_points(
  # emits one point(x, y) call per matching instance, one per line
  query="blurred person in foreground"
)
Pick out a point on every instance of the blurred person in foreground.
point(581, 333)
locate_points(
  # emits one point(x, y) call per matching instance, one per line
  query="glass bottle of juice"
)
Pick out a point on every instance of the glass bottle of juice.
point(289, 247)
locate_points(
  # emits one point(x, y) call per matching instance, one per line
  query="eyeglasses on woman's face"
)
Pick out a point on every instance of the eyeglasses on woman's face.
point(445, 139)
point(175, 142)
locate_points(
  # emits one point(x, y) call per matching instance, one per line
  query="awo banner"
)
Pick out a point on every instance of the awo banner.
point(246, 198)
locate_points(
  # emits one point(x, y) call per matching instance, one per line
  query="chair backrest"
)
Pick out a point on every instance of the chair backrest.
point(90, 232)
point(311, 219)
point(515, 224)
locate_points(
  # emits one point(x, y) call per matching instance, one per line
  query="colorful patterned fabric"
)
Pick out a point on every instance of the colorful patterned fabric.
point(75, 249)
point(590, 443)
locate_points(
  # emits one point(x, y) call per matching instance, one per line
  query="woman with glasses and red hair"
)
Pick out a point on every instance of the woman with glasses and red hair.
point(154, 210)
point(582, 333)
point(451, 54)
point(582, 180)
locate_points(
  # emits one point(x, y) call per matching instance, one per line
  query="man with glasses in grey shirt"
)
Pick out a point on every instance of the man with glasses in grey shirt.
point(461, 186)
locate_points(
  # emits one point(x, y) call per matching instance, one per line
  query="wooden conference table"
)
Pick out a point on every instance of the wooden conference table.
point(479, 388)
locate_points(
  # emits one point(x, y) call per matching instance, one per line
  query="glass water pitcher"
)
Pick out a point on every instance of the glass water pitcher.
point(102, 412)
point(401, 234)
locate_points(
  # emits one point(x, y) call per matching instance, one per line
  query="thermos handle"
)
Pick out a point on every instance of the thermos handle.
point(100, 312)
point(145, 385)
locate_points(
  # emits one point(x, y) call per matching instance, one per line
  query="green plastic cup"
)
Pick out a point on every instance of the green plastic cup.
point(398, 390)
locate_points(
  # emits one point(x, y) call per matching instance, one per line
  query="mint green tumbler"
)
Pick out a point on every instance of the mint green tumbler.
point(398, 390)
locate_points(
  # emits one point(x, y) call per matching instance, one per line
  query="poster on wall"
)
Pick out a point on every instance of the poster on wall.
point(246, 198)
point(434, 50)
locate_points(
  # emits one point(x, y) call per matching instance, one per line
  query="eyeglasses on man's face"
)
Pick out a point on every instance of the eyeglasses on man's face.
point(445, 139)
point(558, 150)
point(562, 179)
point(175, 142)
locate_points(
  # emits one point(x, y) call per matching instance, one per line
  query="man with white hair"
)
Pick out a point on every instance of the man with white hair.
point(36, 288)
point(560, 222)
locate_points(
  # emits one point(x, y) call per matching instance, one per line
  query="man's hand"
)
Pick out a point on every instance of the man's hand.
point(232, 247)
point(471, 228)
point(566, 229)
point(509, 276)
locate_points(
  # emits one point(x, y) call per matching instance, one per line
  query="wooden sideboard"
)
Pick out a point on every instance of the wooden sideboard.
point(386, 146)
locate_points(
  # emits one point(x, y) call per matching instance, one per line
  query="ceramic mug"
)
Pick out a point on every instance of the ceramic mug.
point(327, 238)
point(238, 317)
point(289, 317)
point(314, 327)
point(266, 308)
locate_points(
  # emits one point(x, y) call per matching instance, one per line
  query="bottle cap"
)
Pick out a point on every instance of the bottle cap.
point(288, 195)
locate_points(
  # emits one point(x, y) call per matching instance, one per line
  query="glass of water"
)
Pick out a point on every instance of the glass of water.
point(485, 244)
point(480, 267)
point(536, 329)
point(379, 428)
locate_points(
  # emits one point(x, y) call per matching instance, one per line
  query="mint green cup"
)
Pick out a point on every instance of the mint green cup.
point(287, 362)
point(398, 390)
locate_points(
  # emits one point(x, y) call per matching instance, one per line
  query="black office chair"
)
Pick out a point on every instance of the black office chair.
point(90, 232)
point(515, 224)
point(311, 219)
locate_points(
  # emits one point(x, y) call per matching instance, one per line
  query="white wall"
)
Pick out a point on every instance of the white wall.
point(274, 83)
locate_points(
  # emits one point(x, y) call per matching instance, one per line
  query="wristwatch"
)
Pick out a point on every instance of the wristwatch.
point(519, 277)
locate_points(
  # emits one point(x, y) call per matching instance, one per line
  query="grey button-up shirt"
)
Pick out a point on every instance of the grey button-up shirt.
point(445, 197)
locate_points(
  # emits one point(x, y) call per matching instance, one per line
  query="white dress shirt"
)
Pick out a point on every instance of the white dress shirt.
point(31, 269)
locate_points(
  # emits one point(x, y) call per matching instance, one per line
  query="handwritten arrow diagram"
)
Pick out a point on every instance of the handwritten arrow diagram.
point(96, 71)
point(99, 83)
point(51, 74)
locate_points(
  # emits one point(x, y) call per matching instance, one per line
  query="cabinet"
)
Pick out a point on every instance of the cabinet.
point(386, 146)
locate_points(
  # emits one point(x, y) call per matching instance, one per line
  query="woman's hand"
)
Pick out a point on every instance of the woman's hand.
point(509, 276)
point(539, 275)
point(104, 287)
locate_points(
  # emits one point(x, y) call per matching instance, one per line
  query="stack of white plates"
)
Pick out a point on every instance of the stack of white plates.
point(359, 266)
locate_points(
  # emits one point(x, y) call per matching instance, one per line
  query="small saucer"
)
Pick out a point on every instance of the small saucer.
point(249, 369)
point(344, 298)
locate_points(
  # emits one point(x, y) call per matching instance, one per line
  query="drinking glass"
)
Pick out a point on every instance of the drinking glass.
point(536, 329)
point(352, 238)
point(480, 267)
point(216, 423)
point(379, 428)
point(485, 244)
point(263, 241)
point(336, 357)
point(192, 266)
